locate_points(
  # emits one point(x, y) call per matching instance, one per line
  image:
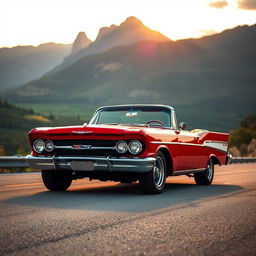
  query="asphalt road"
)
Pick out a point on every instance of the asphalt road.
point(96, 218)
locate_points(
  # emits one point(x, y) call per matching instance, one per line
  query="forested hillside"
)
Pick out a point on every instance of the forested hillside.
point(17, 122)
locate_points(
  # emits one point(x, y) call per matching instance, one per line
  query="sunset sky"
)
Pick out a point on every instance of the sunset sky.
point(32, 22)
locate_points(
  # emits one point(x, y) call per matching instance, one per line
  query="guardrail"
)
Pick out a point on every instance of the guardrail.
point(13, 162)
point(237, 160)
point(9, 162)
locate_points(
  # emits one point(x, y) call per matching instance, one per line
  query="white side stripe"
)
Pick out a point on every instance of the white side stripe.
point(219, 145)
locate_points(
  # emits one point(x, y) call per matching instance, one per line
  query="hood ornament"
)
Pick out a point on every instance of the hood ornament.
point(82, 132)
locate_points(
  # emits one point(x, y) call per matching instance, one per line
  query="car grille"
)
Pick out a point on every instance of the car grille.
point(91, 148)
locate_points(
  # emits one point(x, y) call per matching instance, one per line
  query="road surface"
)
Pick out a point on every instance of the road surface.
point(97, 218)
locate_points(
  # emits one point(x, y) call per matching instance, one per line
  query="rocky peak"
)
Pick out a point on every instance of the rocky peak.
point(105, 30)
point(81, 42)
point(132, 21)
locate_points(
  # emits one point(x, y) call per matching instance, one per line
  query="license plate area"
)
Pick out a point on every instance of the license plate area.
point(82, 165)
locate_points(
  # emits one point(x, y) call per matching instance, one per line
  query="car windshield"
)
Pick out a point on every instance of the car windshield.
point(133, 116)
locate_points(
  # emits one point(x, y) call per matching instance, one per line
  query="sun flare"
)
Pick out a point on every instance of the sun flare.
point(35, 22)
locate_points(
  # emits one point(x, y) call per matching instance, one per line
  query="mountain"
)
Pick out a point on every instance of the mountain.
point(211, 80)
point(104, 31)
point(132, 30)
point(81, 42)
point(21, 64)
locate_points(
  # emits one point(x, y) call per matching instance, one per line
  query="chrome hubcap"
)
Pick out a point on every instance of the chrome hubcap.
point(158, 172)
point(209, 171)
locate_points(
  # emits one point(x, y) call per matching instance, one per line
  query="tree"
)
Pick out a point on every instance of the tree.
point(242, 137)
point(2, 151)
point(249, 122)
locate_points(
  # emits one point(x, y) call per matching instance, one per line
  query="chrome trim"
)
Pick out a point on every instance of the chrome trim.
point(128, 166)
point(176, 143)
point(216, 141)
point(91, 148)
point(188, 171)
point(190, 144)
point(54, 162)
point(109, 163)
point(101, 165)
point(123, 164)
point(229, 158)
point(82, 132)
point(94, 119)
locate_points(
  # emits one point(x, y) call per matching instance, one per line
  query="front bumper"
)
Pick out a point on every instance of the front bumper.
point(123, 164)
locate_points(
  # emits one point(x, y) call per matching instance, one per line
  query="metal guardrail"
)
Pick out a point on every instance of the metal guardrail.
point(9, 162)
point(240, 160)
point(13, 162)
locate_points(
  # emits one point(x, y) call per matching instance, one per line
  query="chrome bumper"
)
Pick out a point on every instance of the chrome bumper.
point(95, 163)
point(228, 159)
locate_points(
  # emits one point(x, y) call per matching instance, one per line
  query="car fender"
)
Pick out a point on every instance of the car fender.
point(214, 158)
point(168, 156)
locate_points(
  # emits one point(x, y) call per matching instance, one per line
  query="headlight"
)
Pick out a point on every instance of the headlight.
point(38, 146)
point(49, 146)
point(135, 147)
point(121, 147)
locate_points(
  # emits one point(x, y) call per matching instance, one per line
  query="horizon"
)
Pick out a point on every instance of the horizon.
point(51, 42)
point(25, 25)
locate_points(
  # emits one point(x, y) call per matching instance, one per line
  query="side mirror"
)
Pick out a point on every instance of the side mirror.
point(182, 126)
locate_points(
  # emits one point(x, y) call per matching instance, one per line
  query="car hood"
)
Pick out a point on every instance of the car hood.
point(91, 129)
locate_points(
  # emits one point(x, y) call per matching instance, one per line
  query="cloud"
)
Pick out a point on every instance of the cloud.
point(218, 4)
point(247, 4)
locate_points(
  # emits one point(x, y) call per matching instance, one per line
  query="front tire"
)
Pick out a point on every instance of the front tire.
point(153, 182)
point(56, 180)
point(205, 177)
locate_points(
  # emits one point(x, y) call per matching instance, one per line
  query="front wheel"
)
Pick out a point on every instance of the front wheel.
point(205, 177)
point(56, 180)
point(153, 182)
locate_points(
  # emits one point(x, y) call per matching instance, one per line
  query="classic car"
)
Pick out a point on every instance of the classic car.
point(127, 143)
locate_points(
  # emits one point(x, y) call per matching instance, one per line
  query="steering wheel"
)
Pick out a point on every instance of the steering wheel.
point(155, 121)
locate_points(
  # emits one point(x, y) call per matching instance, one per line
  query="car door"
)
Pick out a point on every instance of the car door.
point(189, 150)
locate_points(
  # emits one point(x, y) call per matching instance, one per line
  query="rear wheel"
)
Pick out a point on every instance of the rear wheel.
point(153, 182)
point(56, 180)
point(205, 177)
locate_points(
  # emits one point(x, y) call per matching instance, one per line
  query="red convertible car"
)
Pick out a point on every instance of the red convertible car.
point(127, 143)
